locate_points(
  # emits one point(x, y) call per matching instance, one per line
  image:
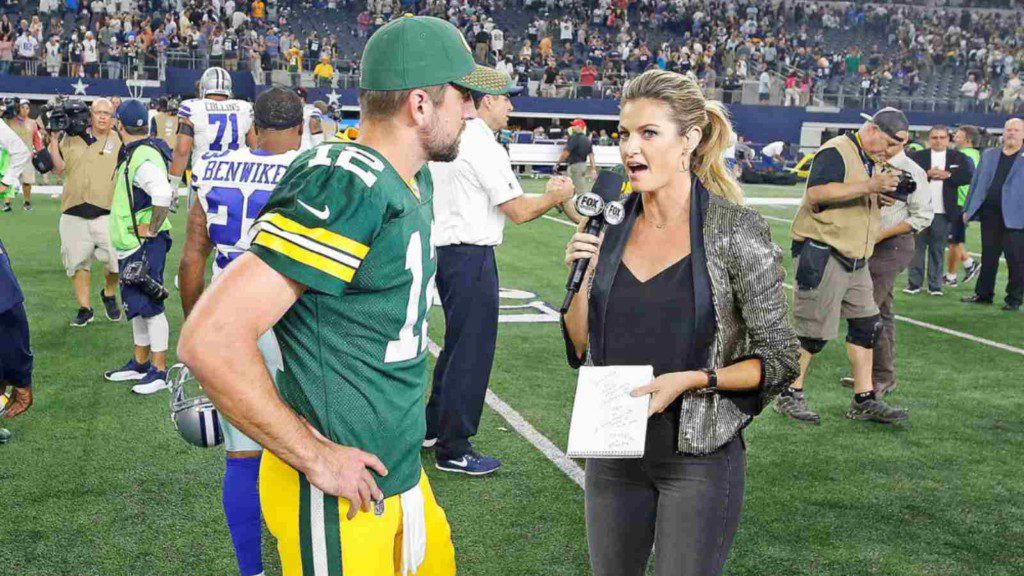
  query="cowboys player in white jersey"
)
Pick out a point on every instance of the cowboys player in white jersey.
point(214, 122)
point(231, 188)
point(312, 114)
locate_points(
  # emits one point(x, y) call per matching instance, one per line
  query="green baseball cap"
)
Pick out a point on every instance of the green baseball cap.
point(418, 51)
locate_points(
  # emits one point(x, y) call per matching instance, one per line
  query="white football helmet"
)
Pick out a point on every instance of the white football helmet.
point(215, 80)
point(196, 419)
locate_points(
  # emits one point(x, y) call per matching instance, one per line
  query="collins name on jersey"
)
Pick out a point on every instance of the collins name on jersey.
point(217, 125)
point(232, 188)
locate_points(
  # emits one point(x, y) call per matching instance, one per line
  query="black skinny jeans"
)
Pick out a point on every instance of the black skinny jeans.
point(688, 507)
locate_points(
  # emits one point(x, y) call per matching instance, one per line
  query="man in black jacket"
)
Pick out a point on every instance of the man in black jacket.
point(947, 170)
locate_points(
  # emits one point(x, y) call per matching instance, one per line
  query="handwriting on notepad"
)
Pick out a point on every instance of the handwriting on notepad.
point(614, 422)
point(606, 421)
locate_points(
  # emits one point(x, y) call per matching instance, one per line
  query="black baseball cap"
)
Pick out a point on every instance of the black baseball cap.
point(890, 121)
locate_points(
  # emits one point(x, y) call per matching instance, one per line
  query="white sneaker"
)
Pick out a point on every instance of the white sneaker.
point(429, 442)
point(155, 381)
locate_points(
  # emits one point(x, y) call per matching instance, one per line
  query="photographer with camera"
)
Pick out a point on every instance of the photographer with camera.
point(141, 234)
point(84, 149)
point(893, 253)
point(834, 234)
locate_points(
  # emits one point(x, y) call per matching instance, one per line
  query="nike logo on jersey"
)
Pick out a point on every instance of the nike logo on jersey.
point(323, 214)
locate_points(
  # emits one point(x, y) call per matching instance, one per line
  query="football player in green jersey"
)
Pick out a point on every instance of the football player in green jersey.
point(342, 268)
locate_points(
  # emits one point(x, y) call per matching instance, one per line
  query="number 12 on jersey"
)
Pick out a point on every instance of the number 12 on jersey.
point(410, 345)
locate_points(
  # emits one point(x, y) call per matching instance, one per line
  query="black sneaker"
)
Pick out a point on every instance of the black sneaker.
point(875, 410)
point(83, 317)
point(975, 299)
point(911, 291)
point(27, 206)
point(7, 208)
point(110, 307)
point(796, 408)
point(971, 272)
point(1011, 307)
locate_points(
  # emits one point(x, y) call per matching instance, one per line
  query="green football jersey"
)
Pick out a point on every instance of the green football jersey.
point(344, 223)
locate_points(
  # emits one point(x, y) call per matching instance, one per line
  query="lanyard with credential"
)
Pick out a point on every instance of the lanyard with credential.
point(869, 164)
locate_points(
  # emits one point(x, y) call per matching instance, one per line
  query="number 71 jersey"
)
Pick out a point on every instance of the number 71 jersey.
point(343, 223)
point(217, 125)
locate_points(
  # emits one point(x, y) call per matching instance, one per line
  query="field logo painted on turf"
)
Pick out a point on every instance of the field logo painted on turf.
point(519, 306)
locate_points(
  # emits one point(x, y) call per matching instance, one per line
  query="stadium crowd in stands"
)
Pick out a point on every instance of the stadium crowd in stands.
point(874, 52)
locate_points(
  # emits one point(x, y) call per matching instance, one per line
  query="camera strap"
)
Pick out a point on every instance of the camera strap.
point(131, 194)
point(869, 164)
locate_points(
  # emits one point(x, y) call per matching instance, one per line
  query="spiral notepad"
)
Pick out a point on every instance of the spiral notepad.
point(606, 421)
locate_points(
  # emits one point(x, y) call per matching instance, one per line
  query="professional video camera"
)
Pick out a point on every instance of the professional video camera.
point(68, 116)
point(8, 108)
point(906, 185)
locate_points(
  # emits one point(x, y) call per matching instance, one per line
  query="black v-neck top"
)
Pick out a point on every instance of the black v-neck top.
point(652, 322)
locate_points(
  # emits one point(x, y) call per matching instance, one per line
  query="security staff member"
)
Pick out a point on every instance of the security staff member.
point(472, 197)
point(579, 155)
point(834, 234)
point(86, 163)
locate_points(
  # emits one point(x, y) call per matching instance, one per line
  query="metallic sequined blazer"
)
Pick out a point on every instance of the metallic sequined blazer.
point(738, 269)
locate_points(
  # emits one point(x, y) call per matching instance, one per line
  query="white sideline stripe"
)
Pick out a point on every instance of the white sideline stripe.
point(952, 332)
point(527, 431)
point(929, 326)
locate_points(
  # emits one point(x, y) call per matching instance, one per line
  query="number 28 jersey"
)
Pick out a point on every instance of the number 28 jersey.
point(344, 223)
point(232, 188)
point(217, 125)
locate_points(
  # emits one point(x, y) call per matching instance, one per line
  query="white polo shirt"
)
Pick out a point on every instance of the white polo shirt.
point(467, 192)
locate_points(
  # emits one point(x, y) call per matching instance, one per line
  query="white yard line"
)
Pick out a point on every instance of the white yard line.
point(527, 431)
point(908, 320)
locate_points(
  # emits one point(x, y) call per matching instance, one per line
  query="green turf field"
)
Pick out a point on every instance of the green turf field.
point(96, 481)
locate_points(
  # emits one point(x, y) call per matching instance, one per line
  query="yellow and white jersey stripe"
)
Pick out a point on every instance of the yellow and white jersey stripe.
point(318, 248)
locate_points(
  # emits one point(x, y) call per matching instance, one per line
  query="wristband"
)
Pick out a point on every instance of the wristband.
point(712, 379)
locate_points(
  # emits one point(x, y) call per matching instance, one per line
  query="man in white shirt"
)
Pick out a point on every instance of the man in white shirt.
point(968, 91)
point(775, 154)
point(764, 86)
point(90, 56)
point(472, 197)
point(947, 170)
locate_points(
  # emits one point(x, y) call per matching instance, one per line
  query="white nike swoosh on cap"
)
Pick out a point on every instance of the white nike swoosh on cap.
point(322, 214)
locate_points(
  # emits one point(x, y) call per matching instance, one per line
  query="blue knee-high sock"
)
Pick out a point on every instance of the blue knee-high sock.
point(241, 499)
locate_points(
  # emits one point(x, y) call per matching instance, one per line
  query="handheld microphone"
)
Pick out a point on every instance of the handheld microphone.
point(603, 208)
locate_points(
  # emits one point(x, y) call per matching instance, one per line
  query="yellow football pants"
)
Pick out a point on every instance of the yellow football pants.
point(314, 538)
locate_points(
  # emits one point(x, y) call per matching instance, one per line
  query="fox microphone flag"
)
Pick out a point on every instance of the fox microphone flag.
point(602, 207)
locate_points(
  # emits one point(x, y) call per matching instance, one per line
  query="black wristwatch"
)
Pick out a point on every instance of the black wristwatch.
point(712, 379)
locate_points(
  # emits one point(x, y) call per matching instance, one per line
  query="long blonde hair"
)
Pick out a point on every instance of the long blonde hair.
point(689, 108)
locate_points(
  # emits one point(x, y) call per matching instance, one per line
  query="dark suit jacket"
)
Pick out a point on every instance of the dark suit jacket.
point(961, 170)
point(740, 312)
